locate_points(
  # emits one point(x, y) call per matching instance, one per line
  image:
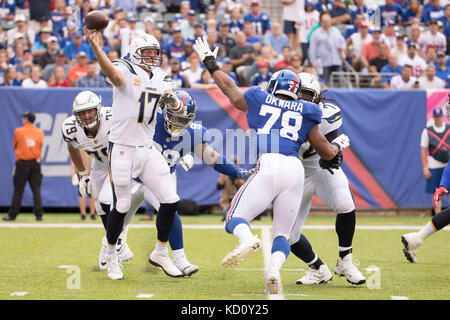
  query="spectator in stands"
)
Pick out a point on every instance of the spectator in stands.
point(23, 28)
point(263, 76)
point(49, 56)
point(165, 67)
point(224, 38)
point(251, 38)
point(176, 48)
point(212, 43)
point(236, 23)
point(67, 38)
point(242, 57)
point(275, 39)
point(205, 81)
point(414, 33)
point(79, 69)
point(35, 79)
point(405, 80)
point(390, 11)
point(432, 11)
point(442, 71)
point(414, 60)
point(194, 73)
point(114, 25)
point(178, 79)
point(413, 14)
point(187, 26)
point(126, 5)
point(340, 14)
point(125, 35)
point(58, 78)
point(10, 77)
point(60, 60)
point(327, 47)
point(432, 37)
point(91, 79)
point(17, 59)
point(198, 32)
point(429, 79)
point(210, 25)
point(227, 67)
point(304, 25)
point(7, 10)
point(259, 20)
point(431, 56)
point(389, 36)
point(292, 12)
point(28, 141)
point(39, 46)
point(149, 24)
point(324, 5)
point(24, 69)
point(391, 67)
point(359, 8)
point(400, 49)
point(356, 42)
point(3, 65)
point(285, 61)
point(58, 18)
point(296, 63)
point(268, 56)
point(73, 49)
point(376, 64)
point(188, 50)
point(182, 15)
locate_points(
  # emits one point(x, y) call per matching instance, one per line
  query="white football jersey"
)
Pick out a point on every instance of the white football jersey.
point(331, 120)
point(96, 147)
point(135, 104)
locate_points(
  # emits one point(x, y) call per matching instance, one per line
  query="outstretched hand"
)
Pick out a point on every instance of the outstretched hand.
point(92, 35)
point(201, 46)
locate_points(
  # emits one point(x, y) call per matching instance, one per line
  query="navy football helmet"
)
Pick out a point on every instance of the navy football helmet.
point(285, 82)
point(177, 124)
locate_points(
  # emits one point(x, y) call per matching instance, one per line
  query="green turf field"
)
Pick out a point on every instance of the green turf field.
point(36, 260)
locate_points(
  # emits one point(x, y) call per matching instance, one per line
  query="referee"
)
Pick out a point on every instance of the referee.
point(27, 142)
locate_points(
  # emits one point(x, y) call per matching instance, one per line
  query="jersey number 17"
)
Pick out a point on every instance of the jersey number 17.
point(148, 101)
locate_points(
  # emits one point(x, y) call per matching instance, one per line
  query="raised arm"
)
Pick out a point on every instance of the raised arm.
point(223, 81)
point(116, 77)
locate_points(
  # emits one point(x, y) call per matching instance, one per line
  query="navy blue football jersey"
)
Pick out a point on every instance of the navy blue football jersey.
point(281, 126)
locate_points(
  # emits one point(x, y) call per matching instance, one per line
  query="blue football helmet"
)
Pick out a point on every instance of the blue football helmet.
point(177, 124)
point(285, 82)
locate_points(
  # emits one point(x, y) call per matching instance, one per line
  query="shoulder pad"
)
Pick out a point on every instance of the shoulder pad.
point(69, 129)
point(195, 126)
point(125, 63)
point(168, 78)
point(330, 112)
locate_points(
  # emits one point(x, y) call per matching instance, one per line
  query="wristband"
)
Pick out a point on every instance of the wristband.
point(83, 173)
point(211, 64)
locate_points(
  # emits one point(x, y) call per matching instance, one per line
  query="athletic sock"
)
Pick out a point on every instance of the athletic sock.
point(316, 264)
point(176, 234)
point(178, 254)
point(426, 231)
point(161, 246)
point(242, 232)
point(442, 219)
point(345, 228)
point(164, 220)
point(114, 226)
point(303, 250)
point(344, 251)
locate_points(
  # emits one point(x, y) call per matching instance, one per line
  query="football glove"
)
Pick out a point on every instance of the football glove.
point(341, 142)
point(170, 101)
point(245, 174)
point(84, 185)
point(334, 163)
point(438, 194)
point(187, 162)
point(201, 46)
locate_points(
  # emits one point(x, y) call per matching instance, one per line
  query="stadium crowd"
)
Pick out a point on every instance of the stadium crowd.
point(395, 44)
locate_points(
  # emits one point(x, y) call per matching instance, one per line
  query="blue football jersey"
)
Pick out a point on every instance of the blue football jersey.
point(173, 149)
point(281, 126)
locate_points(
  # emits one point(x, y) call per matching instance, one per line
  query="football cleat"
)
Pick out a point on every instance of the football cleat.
point(322, 275)
point(411, 243)
point(236, 256)
point(346, 268)
point(123, 252)
point(101, 255)
point(162, 260)
point(187, 268)
point(273, 282)
point(114, 267)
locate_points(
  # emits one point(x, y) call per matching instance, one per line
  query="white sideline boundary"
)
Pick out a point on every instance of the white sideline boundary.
point(13, 225)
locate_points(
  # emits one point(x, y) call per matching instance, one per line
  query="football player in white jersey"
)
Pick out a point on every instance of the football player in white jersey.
point(87, 129)
point(333, 189)
point(139, 88)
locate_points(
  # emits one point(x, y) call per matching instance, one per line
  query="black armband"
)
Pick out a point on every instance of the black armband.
point(211, 64)
point(330, 136)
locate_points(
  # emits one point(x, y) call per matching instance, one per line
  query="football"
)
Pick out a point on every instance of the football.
point(96, 20)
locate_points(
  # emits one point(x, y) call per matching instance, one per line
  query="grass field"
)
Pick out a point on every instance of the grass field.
point(38, 256)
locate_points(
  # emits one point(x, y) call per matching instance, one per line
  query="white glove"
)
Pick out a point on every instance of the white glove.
point(84, 186)
point(201, 46)
point(75, 179)
point(342, 142)
point(187, 162)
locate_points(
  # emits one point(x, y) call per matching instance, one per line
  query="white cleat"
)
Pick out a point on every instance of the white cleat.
point(114, 267)
point(187, 268)
point(273, 282)
point(236, 256)
point(163, 261)
point(101, 255)
point(322, 275)
point(124, 253)
point(411, 243)
point(346, 268)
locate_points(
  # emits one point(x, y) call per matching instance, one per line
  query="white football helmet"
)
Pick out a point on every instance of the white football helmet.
point(87, 100)
point(310, 84)
point(143, 41)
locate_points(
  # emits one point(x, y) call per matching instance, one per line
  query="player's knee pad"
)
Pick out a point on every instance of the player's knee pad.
point(344, 202)
point(99, 209)
point(121, 173)
point(123, 205)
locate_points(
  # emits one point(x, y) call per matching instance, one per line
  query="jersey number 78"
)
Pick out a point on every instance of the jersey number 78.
point(148, 100)
point(288, 130)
